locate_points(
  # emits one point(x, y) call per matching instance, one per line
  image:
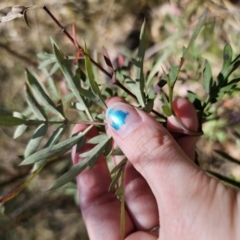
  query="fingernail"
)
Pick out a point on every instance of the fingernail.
point(123, 118)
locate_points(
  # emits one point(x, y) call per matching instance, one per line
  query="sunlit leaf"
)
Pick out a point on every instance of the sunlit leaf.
point(19, 131)
point(98, 139)
point(34, 105)
point(193, 98)
point(195, 33)
point(42, 96)
point(64, 65)
point(167, 110)
point(135, 89)
point(57, 149)
point(115, 180)
point(93, 84)
point(54, 139)
point(119, 166)
point(207, 77)
point(36, 139)
point(70, 175)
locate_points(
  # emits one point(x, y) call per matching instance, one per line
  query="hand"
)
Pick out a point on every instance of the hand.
point(163, 185)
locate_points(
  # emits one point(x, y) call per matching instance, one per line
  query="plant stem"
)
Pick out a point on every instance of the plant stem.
point(94, 62)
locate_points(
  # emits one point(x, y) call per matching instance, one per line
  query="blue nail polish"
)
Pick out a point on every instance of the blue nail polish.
point(123, 118)
point(118, 118)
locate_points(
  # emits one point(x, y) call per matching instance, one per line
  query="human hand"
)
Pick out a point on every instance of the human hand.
point(162, 184)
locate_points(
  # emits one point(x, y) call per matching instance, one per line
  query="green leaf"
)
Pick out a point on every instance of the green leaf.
point(57, 149)
point(227, 58)
point(41, 95)
point(108, 148)
point(207, 77)
point(196, 32)
point(135, 89)
point(225, 179)
point(33, 104)
point(193, 98)
point(119, 166)
point(227, 157)
point(98, 139)
point(167, 110)
point(70, 175)
point(173, 74)
point(115, 180)
point(140, 60)
point(89, 161)
point(91, 96)
point(47, 62)
point(9, 121)
point(117, 152)
point(36, 139)
point(66, 70)
point(95, 150)
point(93, 84)
point(19, 131)
point(54, 139)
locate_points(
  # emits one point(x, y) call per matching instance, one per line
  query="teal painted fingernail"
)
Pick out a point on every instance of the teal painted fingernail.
point(123, 118)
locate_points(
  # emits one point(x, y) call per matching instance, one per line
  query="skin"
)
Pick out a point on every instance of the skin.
point(162, 187)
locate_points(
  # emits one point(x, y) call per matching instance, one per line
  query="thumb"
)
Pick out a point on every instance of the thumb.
point(151, 149)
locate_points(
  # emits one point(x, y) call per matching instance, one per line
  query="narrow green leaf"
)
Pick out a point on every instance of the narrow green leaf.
point(89, 161)
point(193, 98)
point(91, 96)
point(195, 33)
point(135, 89)
point(33, 104)
point(93, 84)
point(119, 166)
point(70, 175)
point(54, 139)
point(9, 121)
point(19, 131)
point(173, 74)
point(44, 56)
point(225, 179)
point(57, 149)
point(36, 139)
point(227, 157)
point(114, 182)
point(108, 148)
point(117, 151)
point(41, 95)
point(47, 62)
point(98, 139)
point(207, 77)
point(227, 58)
point(167, 110)
point(66, 70)
point(140, 60)
point(95, 149)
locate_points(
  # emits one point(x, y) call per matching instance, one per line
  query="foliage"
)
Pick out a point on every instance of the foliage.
point(87, 97)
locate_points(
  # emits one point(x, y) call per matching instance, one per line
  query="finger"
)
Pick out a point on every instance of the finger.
point(139, 199)
point(187, 115)
point(152, 151)
point(100, 208)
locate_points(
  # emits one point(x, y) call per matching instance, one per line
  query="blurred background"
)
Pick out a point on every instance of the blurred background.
point(39, 215)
